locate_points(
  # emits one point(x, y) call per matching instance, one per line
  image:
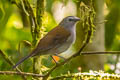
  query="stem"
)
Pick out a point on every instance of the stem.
point(39, 15)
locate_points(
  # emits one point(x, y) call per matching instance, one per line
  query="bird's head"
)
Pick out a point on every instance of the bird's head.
point(69, 21)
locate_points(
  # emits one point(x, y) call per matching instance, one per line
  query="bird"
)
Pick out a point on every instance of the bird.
point(58, 40)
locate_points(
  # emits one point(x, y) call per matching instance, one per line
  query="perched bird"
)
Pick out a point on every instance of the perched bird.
point(57, 40)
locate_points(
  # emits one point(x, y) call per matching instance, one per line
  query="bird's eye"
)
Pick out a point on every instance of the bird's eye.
point(70, 19)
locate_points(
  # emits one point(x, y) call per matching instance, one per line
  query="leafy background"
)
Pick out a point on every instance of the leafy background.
point(15, 27)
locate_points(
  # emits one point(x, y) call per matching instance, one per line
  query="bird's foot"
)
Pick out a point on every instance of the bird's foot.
point(56, 62)
point(61, 57)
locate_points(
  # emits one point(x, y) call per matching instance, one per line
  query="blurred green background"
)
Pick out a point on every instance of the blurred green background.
point(15, 27)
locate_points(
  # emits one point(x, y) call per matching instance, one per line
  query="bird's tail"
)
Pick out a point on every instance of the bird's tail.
point(23, 59)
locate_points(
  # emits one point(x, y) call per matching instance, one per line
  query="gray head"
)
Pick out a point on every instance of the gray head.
point(69, 21)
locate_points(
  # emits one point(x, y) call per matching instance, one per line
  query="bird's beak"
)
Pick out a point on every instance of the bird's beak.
point(76, 19)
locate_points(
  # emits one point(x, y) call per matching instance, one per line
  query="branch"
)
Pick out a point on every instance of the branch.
point(40, 12)
point(102, 52)
point(32, 19)
point(20, 73)
point(90, 75)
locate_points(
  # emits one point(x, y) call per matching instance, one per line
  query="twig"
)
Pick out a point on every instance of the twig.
point(23, 7)
point(102, 52)
point(6, 58)
point(20, 73)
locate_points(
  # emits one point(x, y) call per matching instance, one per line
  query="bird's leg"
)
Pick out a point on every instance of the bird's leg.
point(60, 56)
point(54, 60)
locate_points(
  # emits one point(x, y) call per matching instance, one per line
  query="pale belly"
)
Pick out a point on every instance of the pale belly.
point(63, 48)
point(66, 45)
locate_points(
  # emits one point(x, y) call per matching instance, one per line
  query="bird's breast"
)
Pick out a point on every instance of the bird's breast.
point(67, 44)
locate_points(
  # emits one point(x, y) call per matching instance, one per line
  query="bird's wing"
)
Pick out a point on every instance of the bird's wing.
point(56, 36)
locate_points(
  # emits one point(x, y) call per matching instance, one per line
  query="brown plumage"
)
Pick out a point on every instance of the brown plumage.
point(50, 41)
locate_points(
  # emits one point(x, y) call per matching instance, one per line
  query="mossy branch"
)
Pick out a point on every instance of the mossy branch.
point(91, 75)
